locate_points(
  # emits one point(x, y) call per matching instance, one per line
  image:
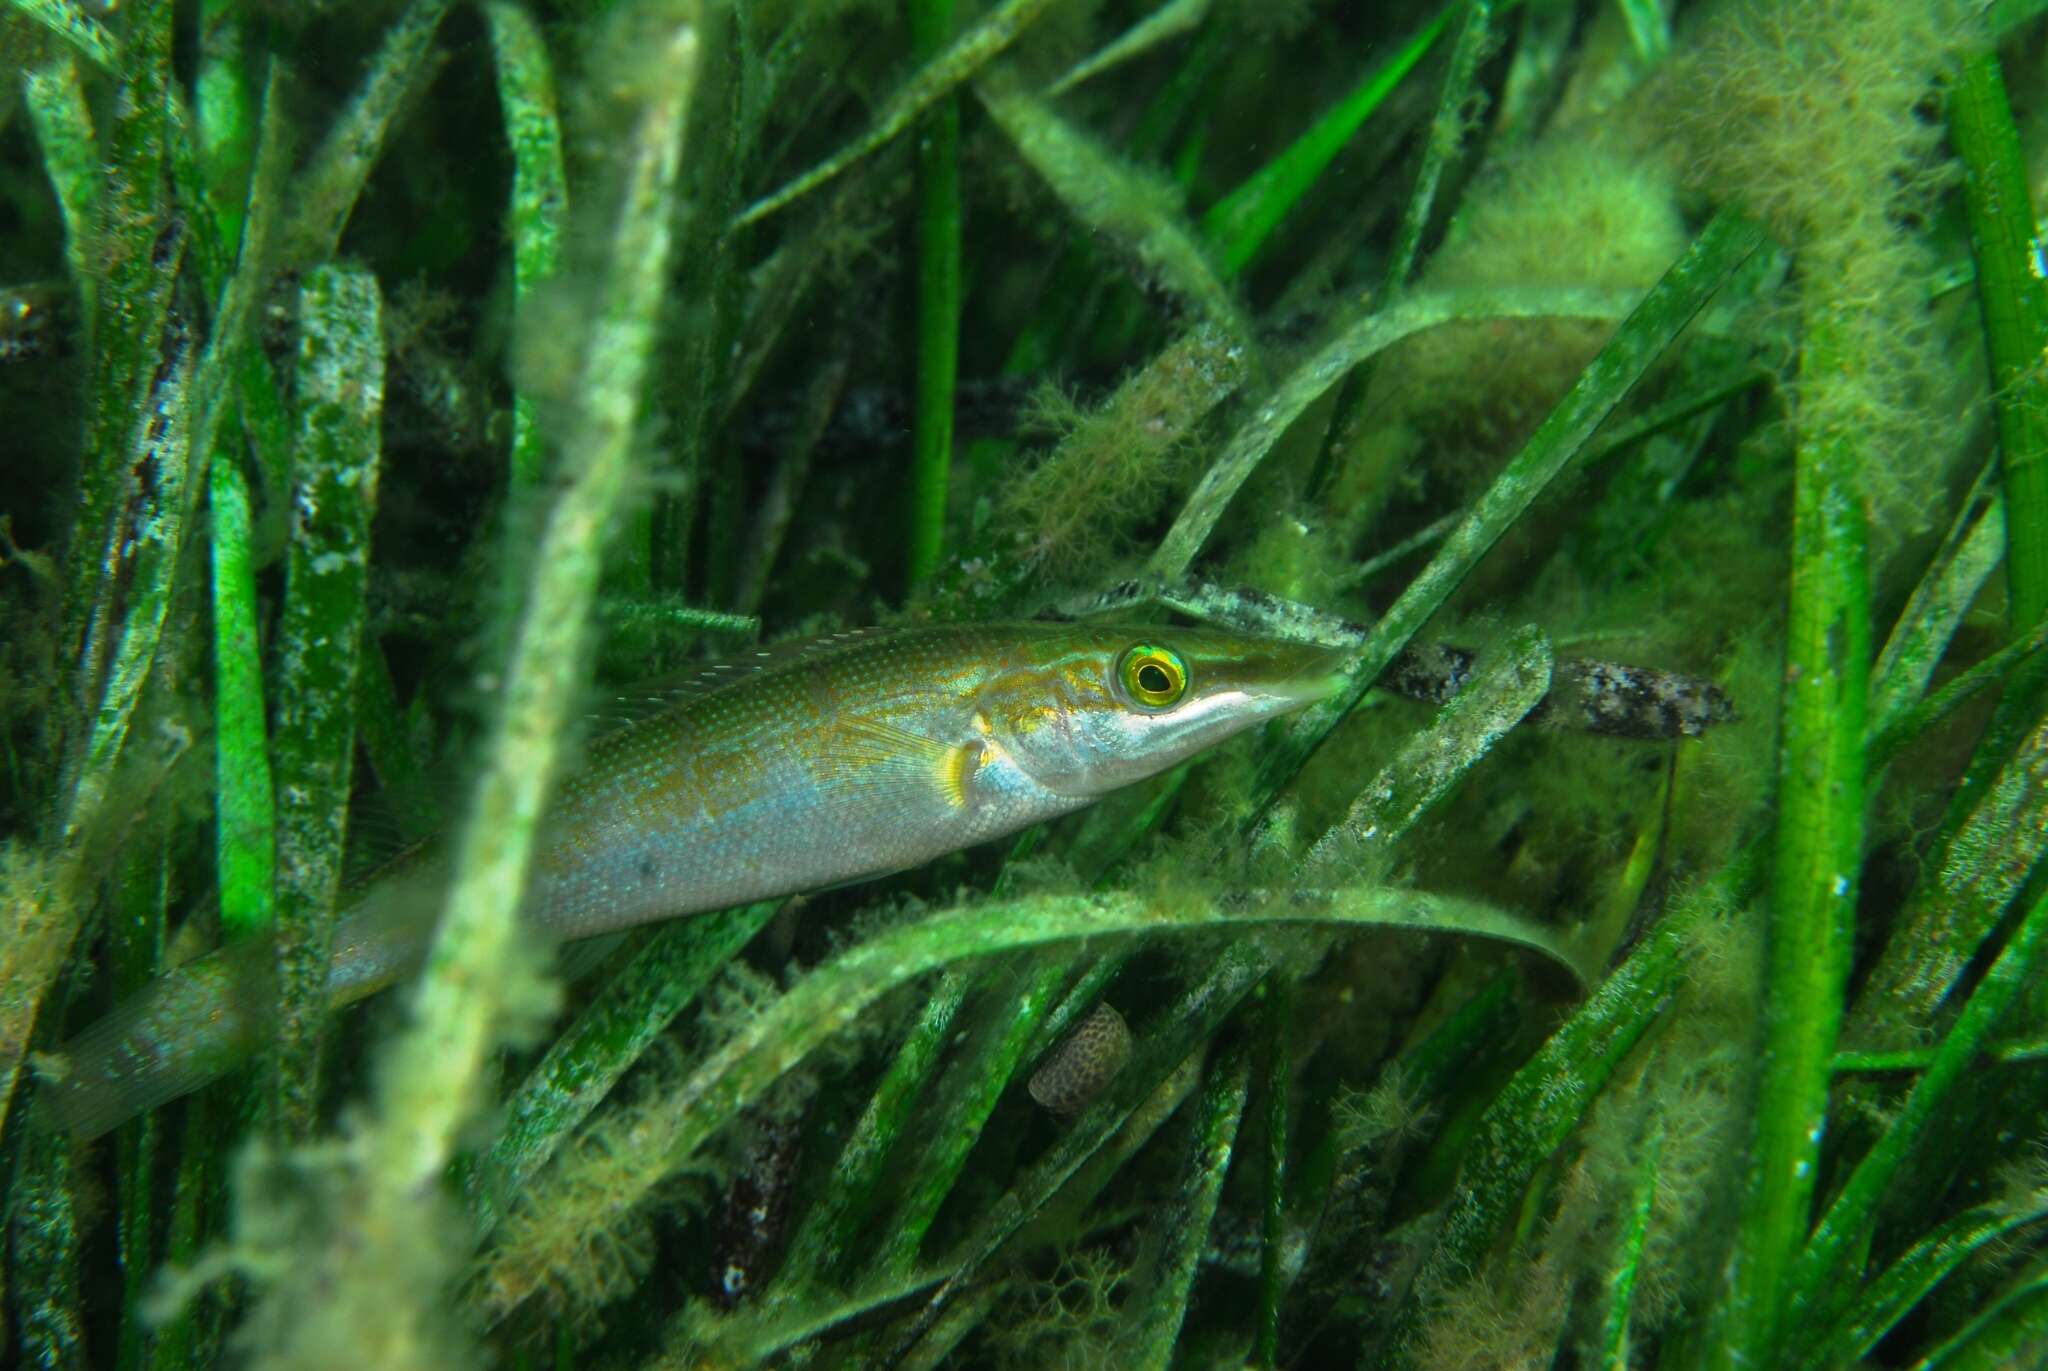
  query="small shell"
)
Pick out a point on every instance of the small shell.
point(1083, 1063)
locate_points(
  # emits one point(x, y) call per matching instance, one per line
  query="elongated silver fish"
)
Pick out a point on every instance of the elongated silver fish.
point(808, 765)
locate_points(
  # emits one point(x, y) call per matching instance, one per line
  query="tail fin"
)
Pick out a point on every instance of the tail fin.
point(186, 1028)
point(193, 1025)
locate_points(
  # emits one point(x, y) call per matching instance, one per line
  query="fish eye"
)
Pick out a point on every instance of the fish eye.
point(1154, 677)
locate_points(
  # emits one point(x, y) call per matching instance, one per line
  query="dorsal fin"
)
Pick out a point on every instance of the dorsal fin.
point(377, 844)
point(645, 699)
point(376, 835)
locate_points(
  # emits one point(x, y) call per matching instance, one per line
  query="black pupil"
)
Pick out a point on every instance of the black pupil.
point(1153, 680)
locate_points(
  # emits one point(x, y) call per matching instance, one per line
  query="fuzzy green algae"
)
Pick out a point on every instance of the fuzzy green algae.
point(1627, 956)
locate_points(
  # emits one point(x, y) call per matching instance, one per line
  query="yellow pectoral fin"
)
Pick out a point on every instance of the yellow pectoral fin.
point(957, 771)
point(879, 746)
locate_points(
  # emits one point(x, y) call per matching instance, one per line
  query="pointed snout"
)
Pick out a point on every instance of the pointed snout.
point(1289, 675)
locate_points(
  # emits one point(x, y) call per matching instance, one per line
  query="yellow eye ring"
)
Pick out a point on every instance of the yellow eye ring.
point(1154, 677)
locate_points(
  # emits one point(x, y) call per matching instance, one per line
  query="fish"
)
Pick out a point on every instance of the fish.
point(804, 766)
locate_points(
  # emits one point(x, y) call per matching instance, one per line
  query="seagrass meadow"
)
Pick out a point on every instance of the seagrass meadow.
point(1637, 963)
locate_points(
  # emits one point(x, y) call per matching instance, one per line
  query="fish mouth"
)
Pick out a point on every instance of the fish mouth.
point(1317, 675)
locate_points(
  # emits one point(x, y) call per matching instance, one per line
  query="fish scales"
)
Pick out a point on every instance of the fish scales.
point(804, 766)
point(793, 778)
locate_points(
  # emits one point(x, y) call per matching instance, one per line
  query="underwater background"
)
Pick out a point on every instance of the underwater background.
point(1639, 964)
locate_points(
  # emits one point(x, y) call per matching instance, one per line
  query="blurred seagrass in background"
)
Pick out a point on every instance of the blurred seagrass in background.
point(1639, 965)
